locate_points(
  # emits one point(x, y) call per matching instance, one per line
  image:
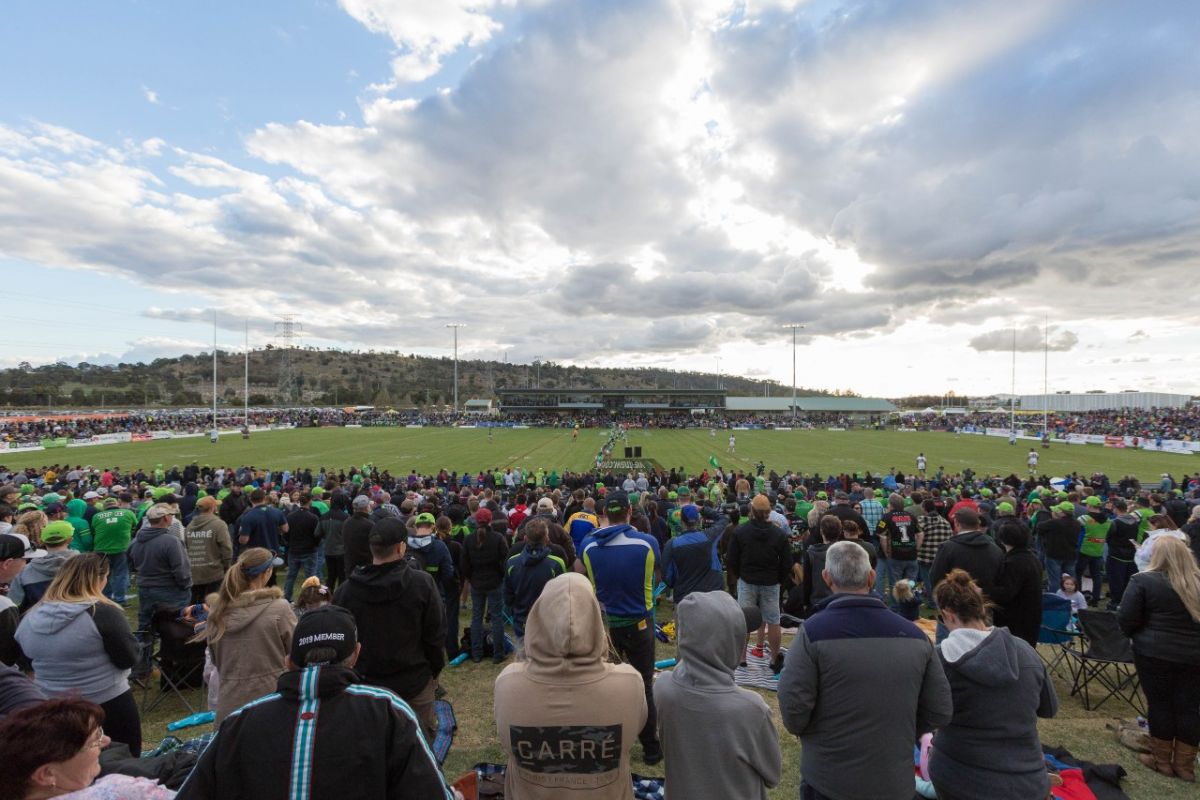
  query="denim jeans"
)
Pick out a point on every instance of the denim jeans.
point(1119, 573)
point(883, 576)
point(1055, 570)
point(493, 602)
point(311, 567)
point(118, 577)
point(898, 569)
point(1094, 567)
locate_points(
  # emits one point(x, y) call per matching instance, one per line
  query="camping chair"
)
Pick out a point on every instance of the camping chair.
point(1104, 656)
point(180, 662)
point(1056, 632)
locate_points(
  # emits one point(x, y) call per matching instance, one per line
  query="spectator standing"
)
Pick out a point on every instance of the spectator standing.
point(526, 576)
point(970, 549)
point(401, 623)
point(80, 645)
point(209, 548)
point(990, 750)
point(261, 526)
point(14, 553)
point(249, 631)
point(164, 574)
point(1017, 592)
point(813, 587)
point(740, 757)
point(485, 555)
point(622, 564)
point(900, 538)
point(1122, 547)
point(331, 532)
point(691, 562)
point(298, 735)
point(934, 529)
point(566, 717)
point(761, 556)
point(112, 531)
point(356, 534)
point(1059, 536)
point(856, 730)
point(1160, 612)
point(303, 541)
point(1096, 527)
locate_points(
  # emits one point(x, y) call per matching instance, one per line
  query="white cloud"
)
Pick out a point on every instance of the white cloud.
point(1025, 339)
point(150, 95)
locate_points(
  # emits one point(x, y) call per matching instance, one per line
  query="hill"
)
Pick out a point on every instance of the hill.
point(327, 377)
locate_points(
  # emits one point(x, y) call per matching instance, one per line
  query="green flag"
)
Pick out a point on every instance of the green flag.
point(712, 460)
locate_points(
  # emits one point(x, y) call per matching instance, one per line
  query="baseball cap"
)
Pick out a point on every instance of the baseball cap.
point(54, 508)
point(111, 502)
point(545, 504)
point(14, 545)
point(425, 519)
point(1033, 498)
point(672, 495)
point(689, 513)
point(52, 497)
point(760, 503)
point(822, 496)
point(1093, 501)
point(1004, 508)
point(90, 495)
point(985, 492)
point(317, 491)
point(388, 531)
point(616, 500)
point(483, 517)
point(159, 510)
point(58, 532)
point(326, 627)
point(361, 502)
point(1065, 507)
point(684, 491)
point(840, 496)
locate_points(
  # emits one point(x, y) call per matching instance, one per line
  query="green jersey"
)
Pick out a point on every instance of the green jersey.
point(112, 530)
point(321, 507)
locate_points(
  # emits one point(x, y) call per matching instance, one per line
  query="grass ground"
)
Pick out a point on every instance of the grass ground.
point(469, 689)
point(430, 449)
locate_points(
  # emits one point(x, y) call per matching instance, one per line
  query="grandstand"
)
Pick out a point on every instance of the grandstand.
point(1102, 401)
point(698, 401)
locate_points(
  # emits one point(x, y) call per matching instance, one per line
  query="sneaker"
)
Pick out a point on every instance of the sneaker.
point(757, 652)
point(777, 664)
point(652, 755)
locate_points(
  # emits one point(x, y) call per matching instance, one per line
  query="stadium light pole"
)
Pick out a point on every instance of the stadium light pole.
point(455, 326)
point(795, 326)
point(246, 387)
point(214, 433)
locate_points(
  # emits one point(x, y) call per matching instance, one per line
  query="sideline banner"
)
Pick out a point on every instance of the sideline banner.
point(1114, 441)
point(55, 442)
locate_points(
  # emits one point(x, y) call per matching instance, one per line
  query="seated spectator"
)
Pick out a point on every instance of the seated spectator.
point(1000, 687)
point(566, 717)
point(249, 631)
point(17, 691)
point(740, 757)
point(52, 749)
point(296, 741)
point(14, 554)
point(29, 586)
point(80, 644)
point(1068, 589)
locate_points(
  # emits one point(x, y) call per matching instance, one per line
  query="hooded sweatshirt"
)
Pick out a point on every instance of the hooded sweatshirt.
point(991, 748)
point(84, 648)
point(29, 586)
point(973, 551)
point(760, 553)
point(160, 560)
point(566, 717)
point(209, 548)
point(82, 541)
point(253, 652)
point(719, 740)
point(527, 574)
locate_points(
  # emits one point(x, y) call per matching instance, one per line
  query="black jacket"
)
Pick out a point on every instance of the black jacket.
point(760, 553)
point(972, 551)
point(364, 744)
point(401, 625)
point(355, 534)
point(1018, 595)
point(529, 570)
point(484, 555)
point(232, 507)
point(1060, 538)
point(814, 589)
point(301, 534)
point(1122, 537)
point(1152, 614)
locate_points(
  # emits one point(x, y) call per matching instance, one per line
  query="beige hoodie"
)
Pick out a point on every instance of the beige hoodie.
point(252, 654)
point(566, 718)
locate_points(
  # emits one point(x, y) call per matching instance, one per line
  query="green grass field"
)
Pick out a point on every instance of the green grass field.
point(430, 449)
point(469, 689)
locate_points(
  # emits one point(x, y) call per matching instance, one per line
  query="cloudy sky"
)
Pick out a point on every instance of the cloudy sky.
point(614, 182)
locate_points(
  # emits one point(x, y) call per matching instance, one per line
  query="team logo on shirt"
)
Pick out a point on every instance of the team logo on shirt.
point(566, 755)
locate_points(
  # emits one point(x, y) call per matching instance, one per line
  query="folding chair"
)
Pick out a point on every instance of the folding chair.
point(1056, 632)
point(1104, 656)
point(180, 662)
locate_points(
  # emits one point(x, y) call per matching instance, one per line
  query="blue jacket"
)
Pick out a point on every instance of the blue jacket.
point(692, 563)
point(526, 574)
point(620, 562)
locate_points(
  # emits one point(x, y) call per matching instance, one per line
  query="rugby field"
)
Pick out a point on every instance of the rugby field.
point(430, 449)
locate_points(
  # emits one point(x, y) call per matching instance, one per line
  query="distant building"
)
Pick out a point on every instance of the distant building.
point(478, 406)
point(612, 401)
point(1093, 401)
point(855, 408)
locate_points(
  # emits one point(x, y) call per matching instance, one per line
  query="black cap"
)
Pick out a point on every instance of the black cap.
point(616, 500)
point(327, 626)
point(388, 532)
point(12, 546)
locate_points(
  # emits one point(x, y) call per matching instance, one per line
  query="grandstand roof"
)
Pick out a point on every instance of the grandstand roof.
point(851, 405)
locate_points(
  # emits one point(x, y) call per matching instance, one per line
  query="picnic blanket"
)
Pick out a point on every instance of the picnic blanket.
point(447, 726)
point(757, 672)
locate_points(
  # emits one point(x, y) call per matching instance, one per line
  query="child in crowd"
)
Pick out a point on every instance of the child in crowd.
point(313, 595)
point(908, 605)
point(1069, 590)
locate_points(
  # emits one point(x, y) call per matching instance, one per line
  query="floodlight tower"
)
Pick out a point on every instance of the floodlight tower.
point(288, 332)
point(456, 326)
point(795, 326)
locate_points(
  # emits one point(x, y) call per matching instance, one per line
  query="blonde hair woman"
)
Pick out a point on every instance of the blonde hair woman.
point(1160, 612)
point(30, 525)
point(249, 631)
point(81, 645)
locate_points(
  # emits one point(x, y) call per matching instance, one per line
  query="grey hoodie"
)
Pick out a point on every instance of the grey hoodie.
point(27, 588)
point(719, 740)
point(991, 748)
point(85, 648)
point(160, 560)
